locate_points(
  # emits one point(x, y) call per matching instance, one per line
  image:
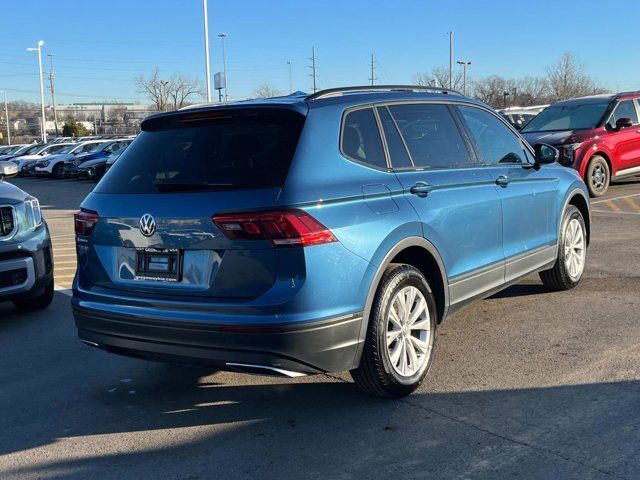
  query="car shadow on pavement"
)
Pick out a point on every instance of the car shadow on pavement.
point(522, 290)
point(176, 423)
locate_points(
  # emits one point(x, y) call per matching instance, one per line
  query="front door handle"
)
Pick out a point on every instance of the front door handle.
point(421, 189)
point(503, 181)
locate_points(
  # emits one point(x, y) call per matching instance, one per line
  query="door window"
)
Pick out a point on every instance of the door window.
point(625, 109)
point(431, 135)
point(496, 143)
point(397, 150)
point(361, 138)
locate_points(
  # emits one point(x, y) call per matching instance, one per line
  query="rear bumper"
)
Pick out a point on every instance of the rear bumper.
point(328, 345)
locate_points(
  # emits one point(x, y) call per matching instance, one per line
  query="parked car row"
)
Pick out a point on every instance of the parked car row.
point(85, 159)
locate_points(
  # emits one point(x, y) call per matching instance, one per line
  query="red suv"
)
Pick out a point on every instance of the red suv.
point(599, 136)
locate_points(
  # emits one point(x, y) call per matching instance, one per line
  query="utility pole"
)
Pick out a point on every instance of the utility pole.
point(206, 50)
point(290, 62)
point(313, 68)
point(464, 66)
point(6, 116)
point(373, 66)
point(450, 59)
point(50, 75)
point(43, 129)
point(224, 67)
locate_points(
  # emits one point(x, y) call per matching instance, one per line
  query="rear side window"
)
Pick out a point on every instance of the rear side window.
point(495, 141)
point(431, 135)
point(361, 138)
point(217, 150)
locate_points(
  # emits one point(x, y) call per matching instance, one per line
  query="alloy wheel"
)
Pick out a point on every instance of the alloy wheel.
point(598, 177)
point(409, 336)
point(574, 249)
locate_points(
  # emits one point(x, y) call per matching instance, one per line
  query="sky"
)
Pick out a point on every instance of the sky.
point(100, 46)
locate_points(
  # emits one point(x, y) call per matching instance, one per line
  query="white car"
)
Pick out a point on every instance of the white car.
point(17, 150)
point(53, 165)
point(31, 156)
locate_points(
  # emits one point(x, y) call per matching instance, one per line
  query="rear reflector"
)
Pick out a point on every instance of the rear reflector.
point(85, 221)
point(283, 228)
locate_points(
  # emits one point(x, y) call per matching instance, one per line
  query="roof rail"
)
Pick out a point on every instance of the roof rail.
point(334, 92)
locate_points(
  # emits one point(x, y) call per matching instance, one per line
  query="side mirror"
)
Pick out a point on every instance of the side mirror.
point(545, 154)
point(623, 123)
point(8, 170)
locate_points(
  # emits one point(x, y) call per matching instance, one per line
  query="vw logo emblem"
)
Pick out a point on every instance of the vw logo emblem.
point(147, 225)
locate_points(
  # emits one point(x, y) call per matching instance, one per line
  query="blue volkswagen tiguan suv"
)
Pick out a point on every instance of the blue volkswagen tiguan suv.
point(319, 233)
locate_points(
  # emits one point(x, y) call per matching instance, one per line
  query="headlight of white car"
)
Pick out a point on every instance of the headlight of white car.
point(33, 212)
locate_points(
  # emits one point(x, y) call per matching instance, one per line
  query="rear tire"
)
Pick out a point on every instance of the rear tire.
point(572, 253)
point(40, 302)
point(598, 176)
point(400, 340)
point(58, 171)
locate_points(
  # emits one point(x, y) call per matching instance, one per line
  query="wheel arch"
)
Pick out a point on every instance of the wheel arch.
point(578, 199)
point(601, 153)
point(423, 255)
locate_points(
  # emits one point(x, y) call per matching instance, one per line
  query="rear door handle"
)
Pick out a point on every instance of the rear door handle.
point(503, 181)
point(421, 189)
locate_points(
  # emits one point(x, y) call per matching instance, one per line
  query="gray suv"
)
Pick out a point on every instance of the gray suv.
point(26, 262)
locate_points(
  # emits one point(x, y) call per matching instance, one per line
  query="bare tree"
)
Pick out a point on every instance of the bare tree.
point(568, 79)
point(266, 90)
point(181, 88)
point(167, 94)
point(439, 77)
point(532, 91)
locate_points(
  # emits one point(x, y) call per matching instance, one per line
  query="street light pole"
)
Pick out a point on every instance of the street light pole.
point(43, 128)
point(224, 67)
point(206, 50)
point(289, 62)
point(464, 66)
point(53, 95)
point(6, 116)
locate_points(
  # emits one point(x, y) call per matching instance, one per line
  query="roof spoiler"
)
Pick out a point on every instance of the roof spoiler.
point(335, 92)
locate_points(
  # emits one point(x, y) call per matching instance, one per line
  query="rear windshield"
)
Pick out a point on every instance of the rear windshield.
point(243, 148)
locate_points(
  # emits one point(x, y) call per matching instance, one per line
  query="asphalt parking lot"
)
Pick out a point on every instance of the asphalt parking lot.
point(526, 384)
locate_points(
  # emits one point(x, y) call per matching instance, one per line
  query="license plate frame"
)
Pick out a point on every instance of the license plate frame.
point(159, 265)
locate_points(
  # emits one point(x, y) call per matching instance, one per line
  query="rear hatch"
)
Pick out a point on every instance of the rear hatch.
point(148, 225)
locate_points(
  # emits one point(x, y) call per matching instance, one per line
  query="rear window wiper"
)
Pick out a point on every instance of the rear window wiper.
point(188, 186)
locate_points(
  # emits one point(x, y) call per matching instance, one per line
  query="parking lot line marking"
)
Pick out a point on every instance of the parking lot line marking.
point(616, 213)
point(68, 262)
point(64, 235)
point(62, 248)
point(63, 290)
point(613, 206)
point(615, 198)
point(66, 269)
point(64, 255)
point(63, 276)
point(632, 203)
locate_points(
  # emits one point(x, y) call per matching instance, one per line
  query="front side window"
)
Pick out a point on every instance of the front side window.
point(625, 109)
point(361, 138)
point(496, 143)
point(431, 135)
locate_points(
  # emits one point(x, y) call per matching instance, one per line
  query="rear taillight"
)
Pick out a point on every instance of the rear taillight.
point(85, 221)
point(284, 228)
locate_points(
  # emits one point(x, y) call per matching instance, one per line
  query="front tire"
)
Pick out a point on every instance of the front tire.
point(58, 171)
point(572, 253)
point(598, 176)
point(400, 338)
point(40, 302)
